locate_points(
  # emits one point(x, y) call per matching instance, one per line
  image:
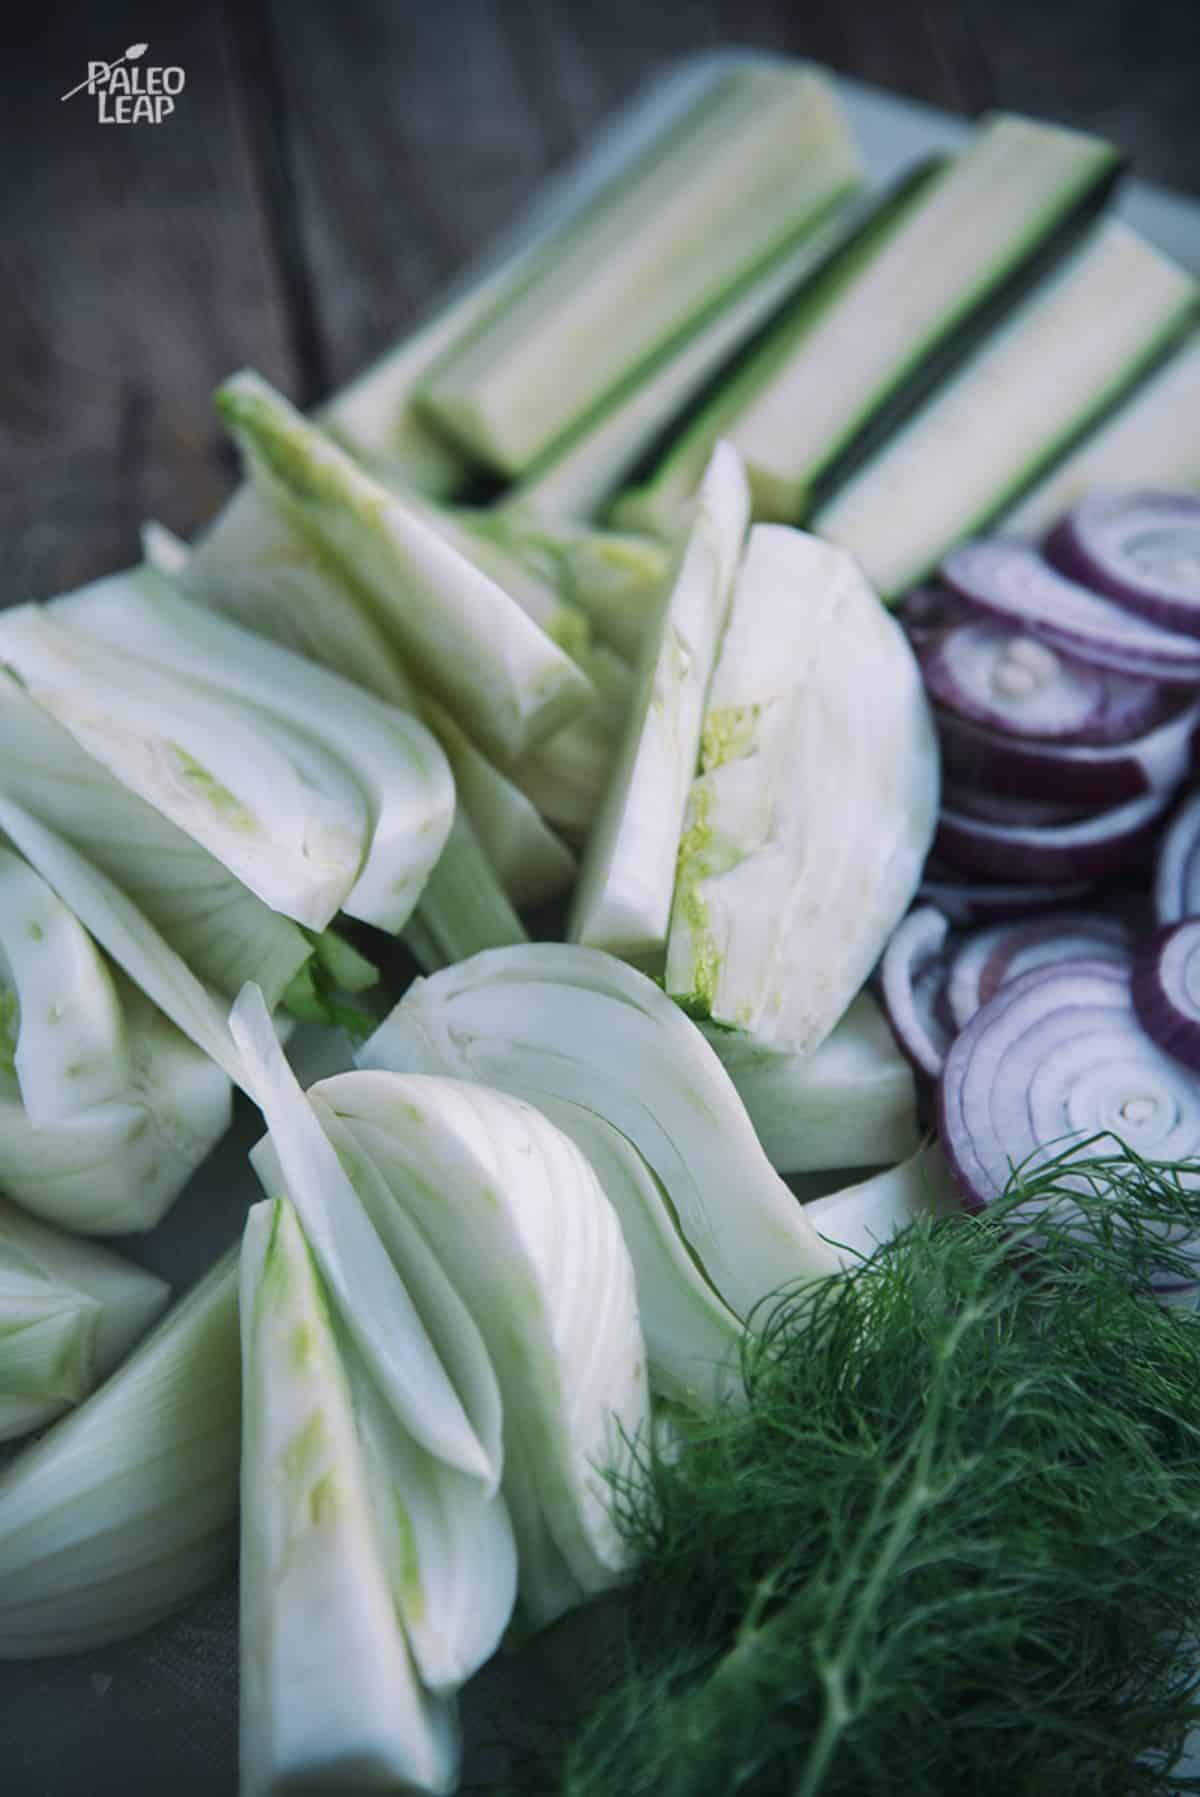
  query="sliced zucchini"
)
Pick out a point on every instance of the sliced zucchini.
point(1082, 338)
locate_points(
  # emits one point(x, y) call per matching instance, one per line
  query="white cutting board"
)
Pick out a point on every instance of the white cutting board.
point(159, 1713)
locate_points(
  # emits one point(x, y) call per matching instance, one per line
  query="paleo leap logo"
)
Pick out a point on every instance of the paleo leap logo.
point(130, 95)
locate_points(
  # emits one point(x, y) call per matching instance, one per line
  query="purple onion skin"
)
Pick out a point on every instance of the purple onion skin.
point(1058, 1052)
point(1072, 548)
point(994, 808)
point(911, 977)
point(1094, 705)
point(1177, 875)
point(1006, 578)
point(1088, 778)
point(972, 902)
point(1117, 839)
point(1165, 1008)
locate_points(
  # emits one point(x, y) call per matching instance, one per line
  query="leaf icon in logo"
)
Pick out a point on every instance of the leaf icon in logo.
point(134, 51)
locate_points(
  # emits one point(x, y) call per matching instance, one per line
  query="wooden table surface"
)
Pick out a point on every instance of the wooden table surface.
point(329, 165)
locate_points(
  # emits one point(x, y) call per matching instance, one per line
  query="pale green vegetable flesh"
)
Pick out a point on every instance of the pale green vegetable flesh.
point(68, 1048)
point(557, 1020)
point(1073, 347)
point(851, 1104)
point(660, 498)
point(531, 862)
point(856, 1219)
point(126, 936)
point(644, 266)
point(615, 578)
point(69, 1311)
point(578, 476)
point(119, 1162)
point(400, 776)
point(464, 906)
point(693, 1340)
point(446, 1538)
point(623, 900)
point(1152, 440)
point(281, 813)
point(822, 373)
point(809, 822)
point(127, 1507)
point(465, 638)
point(521, 1225)
point(330, 1699)
point(371, 1299)
point(375, 415)
point(254, 567)
point(224, 932)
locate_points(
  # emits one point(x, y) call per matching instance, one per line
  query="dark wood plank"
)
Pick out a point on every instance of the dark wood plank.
point(414, 140)
point(134, 274)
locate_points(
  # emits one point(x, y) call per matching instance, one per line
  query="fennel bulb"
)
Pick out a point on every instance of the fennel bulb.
point(521, 1225)
point(852, 1103)
point(126, 1507)
point(466, 639)
point(815, 804)
point(329, 1695)
point(69, 1311)
point(553, 1019)
point(623, 900)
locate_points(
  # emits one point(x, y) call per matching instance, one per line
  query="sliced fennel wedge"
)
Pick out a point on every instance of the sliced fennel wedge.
point(126, 1508)
point(329, 1696)
point(281, 812)
point(119, 1166)
point(643, 266)
point(371, 1298)
point(1152, 440)
point(69, 1311)
point(521, 1224)
point(446, 1538)
point(257, 569)
point(557, 1020)
point(808, 825)
point(400, 775)
point(98, 1147)
point(826, 368)
point(851, 1104)
point(70, 1050)
point(1080, 340)
point(126, 936)
point(615, 578)
point(224, 932)
point(693, 1339)
point(623, 900)
point(857, 1219)
point(467, 640)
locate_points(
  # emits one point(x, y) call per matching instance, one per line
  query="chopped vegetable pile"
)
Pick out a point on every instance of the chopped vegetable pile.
point(772, 1218)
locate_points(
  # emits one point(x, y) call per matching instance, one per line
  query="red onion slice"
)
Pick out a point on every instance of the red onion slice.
point(1142, 549)
point(997, 808)
point(988, 959)
point(1166, 989)
point(993, 674)
point(912, 975)
point(1091, 849)
point(1177, 876)
point(1083, 776)
point(1009, 579)
point(930, 609)
point(967, 902)
point(1059, 1055)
